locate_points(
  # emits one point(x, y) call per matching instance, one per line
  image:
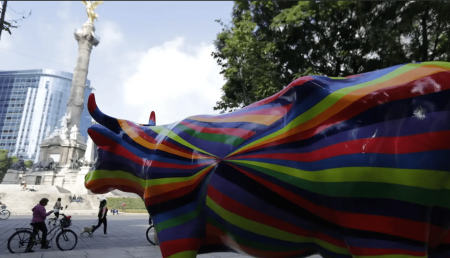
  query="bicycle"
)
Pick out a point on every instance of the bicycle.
point(4, 213)
point(66, 239)
point(151, 234)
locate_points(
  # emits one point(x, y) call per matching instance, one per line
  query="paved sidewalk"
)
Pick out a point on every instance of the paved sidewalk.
point(126, 239)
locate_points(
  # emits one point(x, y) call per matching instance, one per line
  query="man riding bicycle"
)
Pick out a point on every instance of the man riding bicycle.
point(38, 223)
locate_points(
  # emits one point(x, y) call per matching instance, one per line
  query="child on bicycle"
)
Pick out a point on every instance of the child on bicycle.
point(38, 221)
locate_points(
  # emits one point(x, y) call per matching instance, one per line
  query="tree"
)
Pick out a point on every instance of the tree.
point(29, 163)
point(333, 38)
point(4, 163)
point(8, 25)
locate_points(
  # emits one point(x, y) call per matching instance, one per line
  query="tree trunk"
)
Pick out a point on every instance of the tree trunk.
point(424, 34)
point(2, 18)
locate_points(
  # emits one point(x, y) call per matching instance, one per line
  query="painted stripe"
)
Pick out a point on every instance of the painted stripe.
point(429, 179)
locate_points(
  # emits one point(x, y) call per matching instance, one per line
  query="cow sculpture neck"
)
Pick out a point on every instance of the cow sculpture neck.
point(342, 167)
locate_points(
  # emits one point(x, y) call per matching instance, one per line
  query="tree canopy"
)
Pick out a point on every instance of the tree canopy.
point(269, 44)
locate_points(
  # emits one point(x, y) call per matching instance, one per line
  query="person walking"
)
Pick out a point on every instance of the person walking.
point(56, 209)
point(70, 198)
point(103, 210)
point(39, 216)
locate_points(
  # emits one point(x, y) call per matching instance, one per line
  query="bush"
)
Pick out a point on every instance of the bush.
point(132, 204)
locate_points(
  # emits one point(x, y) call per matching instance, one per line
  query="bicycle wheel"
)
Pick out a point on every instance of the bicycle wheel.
point(4, 214)
point(18, 242)
point(66, 240)
point(151, 234)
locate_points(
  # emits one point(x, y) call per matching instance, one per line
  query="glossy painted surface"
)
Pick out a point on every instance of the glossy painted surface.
point(343, 167)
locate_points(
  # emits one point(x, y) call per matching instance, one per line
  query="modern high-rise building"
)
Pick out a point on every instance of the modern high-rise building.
point(32, 104)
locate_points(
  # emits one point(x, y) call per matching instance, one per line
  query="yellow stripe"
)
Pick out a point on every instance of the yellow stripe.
point(141, 141)
point(257, 119)
point(268, 231)
point(429, 179)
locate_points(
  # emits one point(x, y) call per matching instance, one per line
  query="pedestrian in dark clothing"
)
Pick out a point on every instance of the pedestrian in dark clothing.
point(38, 221)
point(102, 211)
point(70, 198)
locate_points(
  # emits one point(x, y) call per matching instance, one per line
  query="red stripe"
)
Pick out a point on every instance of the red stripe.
point(117, 149)
point(101, 140)
point(242, 133)
point(385, 145)
point(248, 213)
point(139, 132)
point(228, 241)
point(375, 98)
point(152, 200)
point(104, 189)
point(91, 103)
point(172, 247)
point(388, 225)
point(298, 82)
point(362, 251)
point(150, 139)
point(153, 117)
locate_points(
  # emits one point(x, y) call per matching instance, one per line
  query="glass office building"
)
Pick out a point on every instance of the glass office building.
point(32, 103)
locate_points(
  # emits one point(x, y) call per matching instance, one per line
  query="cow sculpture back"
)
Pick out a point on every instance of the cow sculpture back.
point(341, 167)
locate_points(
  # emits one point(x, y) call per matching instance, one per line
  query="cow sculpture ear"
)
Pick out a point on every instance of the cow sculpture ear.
point(152, 120)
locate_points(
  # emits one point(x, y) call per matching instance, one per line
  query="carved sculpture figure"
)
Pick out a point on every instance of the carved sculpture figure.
point(74, 132)
point(19, 165)
point(47, 165)
point(65, 120)
point(341, 167)
point(90, 7)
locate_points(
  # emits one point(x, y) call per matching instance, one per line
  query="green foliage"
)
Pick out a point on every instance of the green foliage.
point(132, 204)
point(13, 159)
point(29, 163)
point(269, 44)
point(5, 163)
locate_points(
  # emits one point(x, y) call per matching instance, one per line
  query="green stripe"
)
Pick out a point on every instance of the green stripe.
point(183, 218)
point(163, 133)
point(430, 179)
point(253, 244)
point(415, 195)
point(100, 174)
point(268, 231)
point(331, 99)
point(185, 254)
point(222, 138)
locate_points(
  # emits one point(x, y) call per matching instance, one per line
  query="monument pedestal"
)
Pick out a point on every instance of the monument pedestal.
point(62, 151)
point(13, 176)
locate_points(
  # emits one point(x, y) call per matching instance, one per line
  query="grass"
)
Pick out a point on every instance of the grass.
point(133, 205)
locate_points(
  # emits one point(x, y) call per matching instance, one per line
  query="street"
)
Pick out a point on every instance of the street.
point(126, 238)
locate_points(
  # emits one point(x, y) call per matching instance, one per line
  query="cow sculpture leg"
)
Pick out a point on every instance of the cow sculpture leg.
point(181, 241)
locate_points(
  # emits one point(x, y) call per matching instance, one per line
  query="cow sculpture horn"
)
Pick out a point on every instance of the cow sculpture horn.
point(105, 120)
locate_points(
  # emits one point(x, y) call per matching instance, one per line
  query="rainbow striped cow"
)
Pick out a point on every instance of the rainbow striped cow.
point(342, 167)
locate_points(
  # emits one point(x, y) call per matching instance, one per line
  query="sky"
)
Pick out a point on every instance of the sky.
point(152, 55)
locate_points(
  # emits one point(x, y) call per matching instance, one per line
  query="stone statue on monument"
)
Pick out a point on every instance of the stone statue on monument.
point(90, 7)
point(74, 132)
point(64, 120)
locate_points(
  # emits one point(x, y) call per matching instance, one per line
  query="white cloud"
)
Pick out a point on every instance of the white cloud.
point(111, 38)
point(175, 80)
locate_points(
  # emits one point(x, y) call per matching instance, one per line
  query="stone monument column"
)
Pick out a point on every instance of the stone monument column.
point(86, 40)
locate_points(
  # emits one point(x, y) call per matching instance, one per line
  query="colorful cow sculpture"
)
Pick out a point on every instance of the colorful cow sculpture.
point(341, 167)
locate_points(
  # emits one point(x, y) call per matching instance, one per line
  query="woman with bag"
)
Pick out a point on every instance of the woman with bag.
point(103, 210)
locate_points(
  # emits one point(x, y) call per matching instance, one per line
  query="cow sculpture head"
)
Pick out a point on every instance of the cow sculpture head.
point(131, 157)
